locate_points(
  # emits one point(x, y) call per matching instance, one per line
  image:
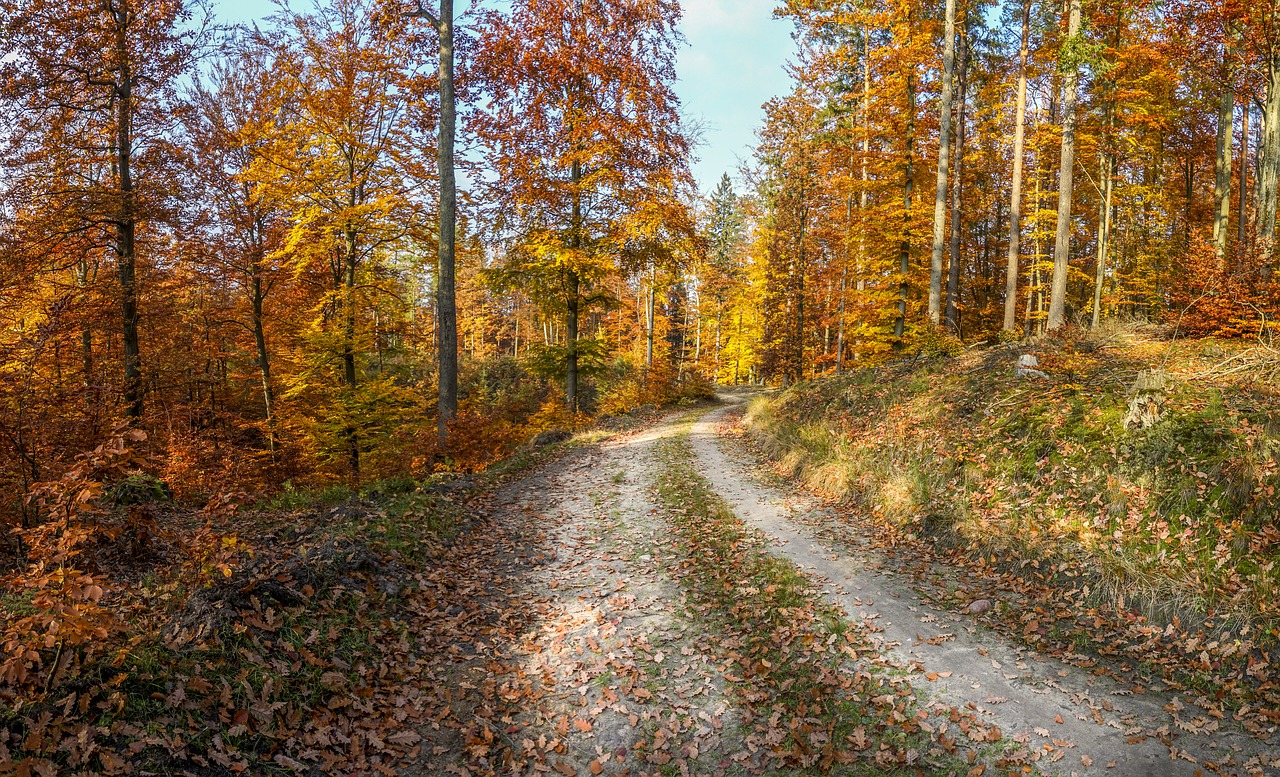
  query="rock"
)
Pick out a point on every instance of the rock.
point(978, 606)
point(1146, 407)
point(1027, 364)
point(551, 437)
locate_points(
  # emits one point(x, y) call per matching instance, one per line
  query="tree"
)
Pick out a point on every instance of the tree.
point(945, 109)
point(347, 166)
point(446, 304)
point(1015, 194)
point(1062, 242)
point(224, 129)
point(96, 77)
point(724, 235)
point(957, 189)
point(583, 129)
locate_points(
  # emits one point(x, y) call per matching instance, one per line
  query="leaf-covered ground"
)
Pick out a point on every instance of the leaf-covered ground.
point(637, 605)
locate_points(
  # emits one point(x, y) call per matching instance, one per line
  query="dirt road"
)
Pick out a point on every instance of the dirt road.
point(593, 653)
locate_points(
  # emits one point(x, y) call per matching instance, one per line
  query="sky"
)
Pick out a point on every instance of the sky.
point(731, 65)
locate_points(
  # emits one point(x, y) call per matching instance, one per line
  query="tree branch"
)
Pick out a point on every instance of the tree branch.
point(424, 12)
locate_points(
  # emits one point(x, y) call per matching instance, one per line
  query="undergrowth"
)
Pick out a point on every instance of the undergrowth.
point(1170, 532)
point(270, 640)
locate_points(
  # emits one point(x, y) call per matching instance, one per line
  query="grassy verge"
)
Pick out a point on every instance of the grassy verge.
point(1156, 545)
point(814, 696)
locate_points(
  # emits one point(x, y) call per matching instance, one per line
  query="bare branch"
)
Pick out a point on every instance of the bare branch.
point(423, 12)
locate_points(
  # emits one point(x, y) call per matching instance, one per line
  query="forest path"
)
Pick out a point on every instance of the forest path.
point(574, 640)
point(1082, 723)
point(594, 667)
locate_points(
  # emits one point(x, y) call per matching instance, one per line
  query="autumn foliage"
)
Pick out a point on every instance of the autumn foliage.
point(221, 309)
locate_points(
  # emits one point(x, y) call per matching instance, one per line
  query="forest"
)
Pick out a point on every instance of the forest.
point(285, 307)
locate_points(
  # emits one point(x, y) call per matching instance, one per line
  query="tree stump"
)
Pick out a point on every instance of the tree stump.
point(1027, 364)
point(1146, 407)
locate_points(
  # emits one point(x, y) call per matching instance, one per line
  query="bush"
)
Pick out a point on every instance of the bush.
point(140, 489)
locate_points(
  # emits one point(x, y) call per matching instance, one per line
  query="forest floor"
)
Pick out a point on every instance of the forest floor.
point(655, 605)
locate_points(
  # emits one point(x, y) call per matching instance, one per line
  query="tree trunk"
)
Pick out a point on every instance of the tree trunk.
point(1242, 218)
point(904, 253)
point(1222, 173)
point(445, 288)
point(260, 340)
point(737, 351)
point(1015, 198)
point(1035, 292)
point(573, 284)
point(1106, 177)
point(573, 288)
point(844, 286)
point(350, 259)
point(1269, 165)
point(650, 316)
point(86, 341)
point(719, 317)
point(957, 191)
point(126, 219)
point(800, 272)
point(944, 153)
point(1062, 239)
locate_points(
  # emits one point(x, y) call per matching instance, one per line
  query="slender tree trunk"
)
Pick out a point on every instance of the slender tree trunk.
point(1269, 165)
point(1189, 194)
point(1106, 177)
point(86, 338)
point(446, 302)
point(1062, 240)
point(800, 273)
point(1035, 292)
point(844, 286)
point(737, 351)
point(650, 317)
point(1242, 218)
point(573, 285)
point(126, 218)
point(957, 190)
point(260, 340)
point(573, 289)
point(904, 253)
point(350, 259)
point(1015, 198)
point(1222, 173)
point(944, 153)
point(719, 316)
point(697, 335)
